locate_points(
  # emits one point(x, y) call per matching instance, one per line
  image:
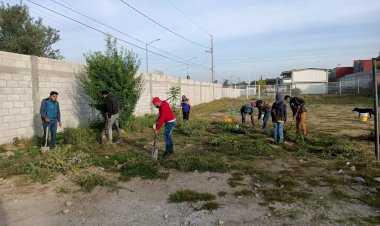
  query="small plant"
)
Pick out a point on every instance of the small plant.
point(62, 189)
point(190, 196)
point(88, 181)
point(193, 128)
point(244, 192)
point(234, 181)
point(210, 206)
point(282, 195)
point(339, 194)
point(174, 95)
point(140, 124)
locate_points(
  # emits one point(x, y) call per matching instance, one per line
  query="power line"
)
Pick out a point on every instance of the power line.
point(171, 31)
point(192, 21)
point(104, 33)
point(114, 29)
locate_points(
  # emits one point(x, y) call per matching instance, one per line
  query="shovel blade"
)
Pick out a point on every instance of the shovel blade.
point(154, 153)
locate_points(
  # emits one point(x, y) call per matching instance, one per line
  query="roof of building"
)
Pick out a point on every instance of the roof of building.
point(302, 69)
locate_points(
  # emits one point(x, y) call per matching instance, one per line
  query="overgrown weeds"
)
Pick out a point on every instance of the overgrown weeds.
point(210, 206)
point(200, 163)
point(193, 128)
point(140, 124)
point(44, 167)
point(89, 180)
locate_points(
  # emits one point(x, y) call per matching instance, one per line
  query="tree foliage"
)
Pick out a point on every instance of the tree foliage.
point(113, 70)
point(20, 33)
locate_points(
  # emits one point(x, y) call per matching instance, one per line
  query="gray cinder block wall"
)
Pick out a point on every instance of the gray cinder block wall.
point(26, 80)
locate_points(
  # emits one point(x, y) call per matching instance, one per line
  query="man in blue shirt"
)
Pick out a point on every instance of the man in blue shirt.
point(51, 116)
point(247, 109)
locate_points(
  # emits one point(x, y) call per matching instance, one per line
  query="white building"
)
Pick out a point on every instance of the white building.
point(308, 80)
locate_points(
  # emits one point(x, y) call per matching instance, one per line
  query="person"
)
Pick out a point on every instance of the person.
point(299, 112)
point(166, 116)
point(112, 114)
point(185, 107)
point(247, 109)
point(265, 108)
point(278, 118)
point(51, 116)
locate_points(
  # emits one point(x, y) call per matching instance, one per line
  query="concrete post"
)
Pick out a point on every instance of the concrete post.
point(36, 96)
point(150, 93)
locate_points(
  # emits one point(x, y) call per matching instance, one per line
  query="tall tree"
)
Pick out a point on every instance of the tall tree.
point(113, 70)
point(20, 33)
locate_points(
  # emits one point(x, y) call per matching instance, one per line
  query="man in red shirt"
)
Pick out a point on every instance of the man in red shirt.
point(166, 116)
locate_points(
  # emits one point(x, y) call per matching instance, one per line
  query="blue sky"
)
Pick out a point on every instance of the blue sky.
point(251, 37)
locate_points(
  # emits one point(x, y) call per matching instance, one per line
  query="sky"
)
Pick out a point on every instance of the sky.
point(252, 38)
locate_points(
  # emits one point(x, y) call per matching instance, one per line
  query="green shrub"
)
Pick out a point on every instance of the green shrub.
point(244, 192)
point(210, 206)
point(89, 180)
point(190, 196)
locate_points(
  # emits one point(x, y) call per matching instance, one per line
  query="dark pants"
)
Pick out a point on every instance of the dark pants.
point(186, 115)
point(168, 136)
point(243, 114)
point(266, 118)
point(52, 131)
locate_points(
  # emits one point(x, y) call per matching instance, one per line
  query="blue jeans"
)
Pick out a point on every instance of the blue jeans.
point(168, 136)
point(265, 119)
point(278, 133)
point(52, 131)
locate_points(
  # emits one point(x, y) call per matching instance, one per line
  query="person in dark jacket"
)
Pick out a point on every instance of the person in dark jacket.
point(51, 116)
point(279, 118)
point(265, 108)
point(247, 109)
point(112, 114)
point(299, 112)
point(166, 117)
point(185, 107)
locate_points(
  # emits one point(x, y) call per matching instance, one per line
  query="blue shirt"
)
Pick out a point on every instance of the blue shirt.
point(185, 106)
point(50, 109)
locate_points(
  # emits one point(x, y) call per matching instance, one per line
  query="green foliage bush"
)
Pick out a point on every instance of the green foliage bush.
point(89, 180)
point(200, 163)
point(79, 137)
point(113, 70)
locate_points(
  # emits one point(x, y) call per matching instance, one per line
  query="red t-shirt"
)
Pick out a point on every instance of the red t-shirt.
point(166, 115)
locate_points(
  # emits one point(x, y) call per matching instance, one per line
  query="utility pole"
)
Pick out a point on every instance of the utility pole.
point(212, 67)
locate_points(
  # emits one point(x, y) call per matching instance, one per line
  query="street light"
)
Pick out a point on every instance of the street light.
point(187, 66)
point(146, 53)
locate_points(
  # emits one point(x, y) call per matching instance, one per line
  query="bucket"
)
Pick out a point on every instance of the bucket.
point(229, 119)
point(364, 117)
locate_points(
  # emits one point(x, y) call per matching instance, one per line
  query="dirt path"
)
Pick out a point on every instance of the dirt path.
point(144, 202)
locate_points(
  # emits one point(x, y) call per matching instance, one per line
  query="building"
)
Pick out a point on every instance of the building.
point(308, 80)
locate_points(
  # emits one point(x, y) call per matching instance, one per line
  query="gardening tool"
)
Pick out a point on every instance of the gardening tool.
point(154, 151)
point(291, 125)
point(45, 148)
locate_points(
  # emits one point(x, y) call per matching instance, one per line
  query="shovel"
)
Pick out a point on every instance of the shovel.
point(154, 151)
point(45, 148)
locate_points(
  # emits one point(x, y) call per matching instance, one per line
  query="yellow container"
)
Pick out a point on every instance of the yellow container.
point(364, 117)
point(229, 119)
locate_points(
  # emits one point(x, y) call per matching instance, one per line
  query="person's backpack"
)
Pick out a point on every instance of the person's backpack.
point(277, 112)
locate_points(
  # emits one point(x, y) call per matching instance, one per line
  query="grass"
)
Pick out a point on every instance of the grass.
point(200, 163)
point(283, 195)
point(89, 180)
point(244, 192)
point(63, 190)
point(339, 194)
point(190, 196)
point(210, 206)
point(234, 181)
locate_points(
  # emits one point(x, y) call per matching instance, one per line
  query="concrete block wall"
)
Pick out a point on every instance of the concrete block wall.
point(26, 80)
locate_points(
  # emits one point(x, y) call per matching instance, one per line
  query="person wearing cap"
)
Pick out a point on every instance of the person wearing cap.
point(167, 117)
point(247, 109)
point(185, 107)
point(263, 107)
point(299, 112)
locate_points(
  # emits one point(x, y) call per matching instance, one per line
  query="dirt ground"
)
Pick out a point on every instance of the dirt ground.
point(145, 202)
